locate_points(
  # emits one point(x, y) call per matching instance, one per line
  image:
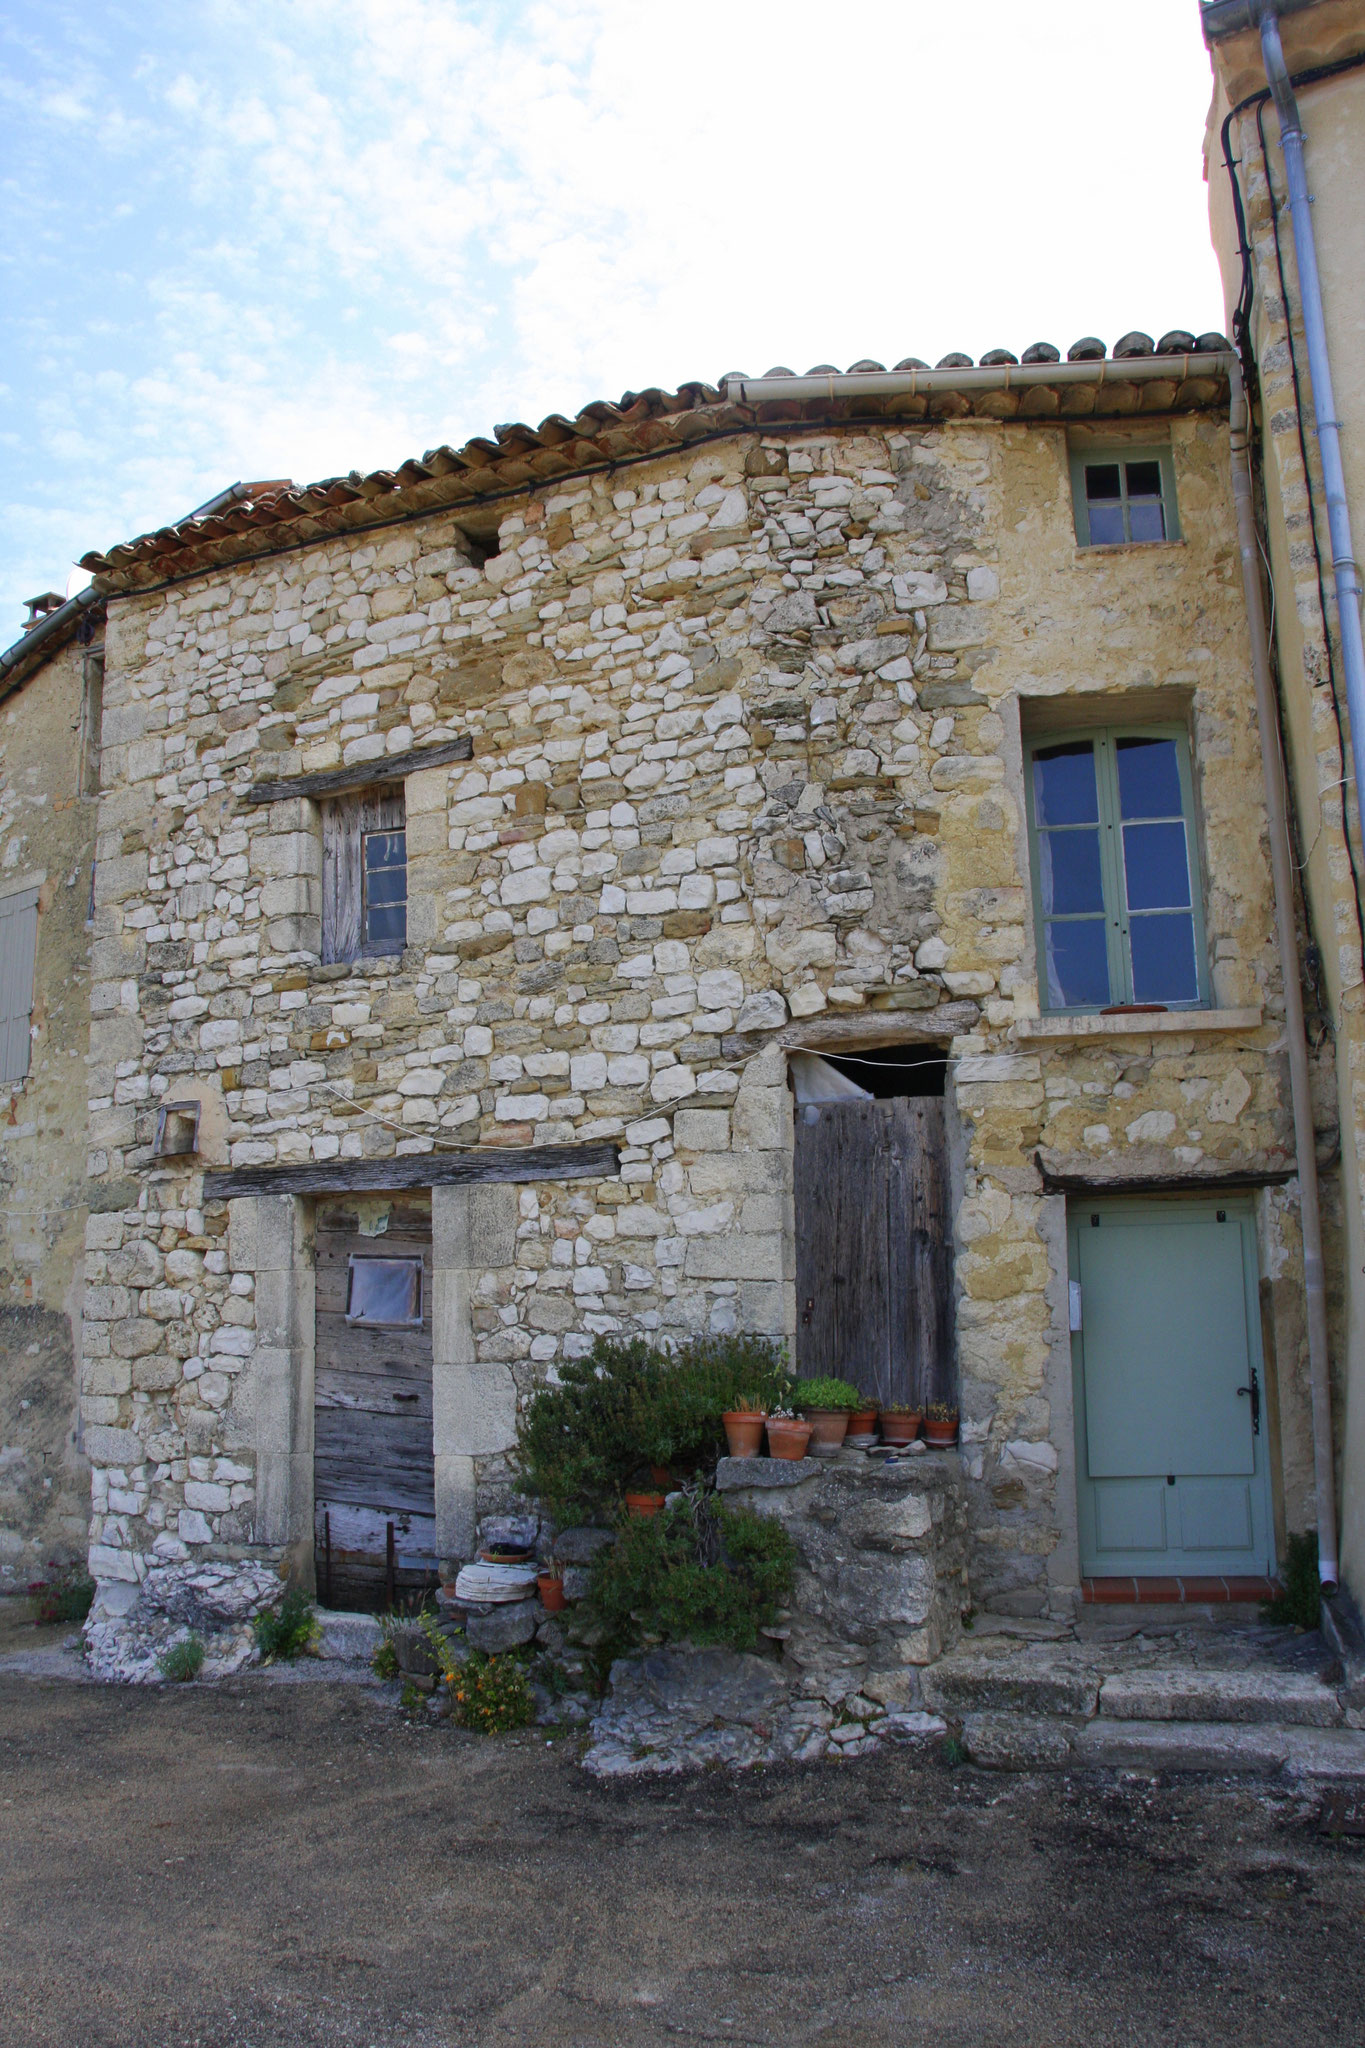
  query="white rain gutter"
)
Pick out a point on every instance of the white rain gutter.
point(1345, 569)
point(1282, 876)
point(1182, 369)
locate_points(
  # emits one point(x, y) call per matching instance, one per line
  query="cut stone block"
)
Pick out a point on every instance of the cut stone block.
point(1007, 1685)
point(1181, 1746)
point(1017, 1742)
point(1286, 1697)
point(1326, 1753)
point(347, 1638)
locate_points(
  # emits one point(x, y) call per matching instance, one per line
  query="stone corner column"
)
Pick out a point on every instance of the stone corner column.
point(474, 1405)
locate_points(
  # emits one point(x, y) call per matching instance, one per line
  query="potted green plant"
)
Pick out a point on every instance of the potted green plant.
point(940, 1425)
point(900, 1423)
point(788, 1434)
point(826, 1405)
point(744, 1426)
point(644, 1503)
point(550, 1586)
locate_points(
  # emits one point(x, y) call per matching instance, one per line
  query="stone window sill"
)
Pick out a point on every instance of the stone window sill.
point(1136, 1024)
point(1086, 550)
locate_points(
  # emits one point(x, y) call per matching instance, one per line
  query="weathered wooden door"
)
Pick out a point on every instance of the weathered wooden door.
point(874, 1259)
point(1171, 1462)
point(373, 1470)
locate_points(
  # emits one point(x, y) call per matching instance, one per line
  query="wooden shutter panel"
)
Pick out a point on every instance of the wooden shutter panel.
point(18, 948)
point(341, 892)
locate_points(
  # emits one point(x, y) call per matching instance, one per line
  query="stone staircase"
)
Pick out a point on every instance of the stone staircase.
point(1185, 1698)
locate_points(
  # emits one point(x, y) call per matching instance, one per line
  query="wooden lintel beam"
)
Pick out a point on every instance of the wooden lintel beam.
point(417, 1170)
point(1235, 1180)
point(361, 774)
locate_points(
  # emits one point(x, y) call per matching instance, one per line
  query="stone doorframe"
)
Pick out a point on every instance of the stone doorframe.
point(474, 1403)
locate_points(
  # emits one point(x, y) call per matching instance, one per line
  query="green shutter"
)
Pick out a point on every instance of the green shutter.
point(18, 949)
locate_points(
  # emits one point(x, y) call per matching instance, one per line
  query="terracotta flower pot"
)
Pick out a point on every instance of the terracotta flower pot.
point(788, 1437)
point(743, 1433)
point(863, 1421)
point(900, 1429)
point(940, 1434)
point(644, 1504)
point(661, 1476)
point(551, 1589)
point(828, 1428)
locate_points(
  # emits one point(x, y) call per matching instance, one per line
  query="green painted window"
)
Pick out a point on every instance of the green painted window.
point(1116, 892)
point(1123, 496)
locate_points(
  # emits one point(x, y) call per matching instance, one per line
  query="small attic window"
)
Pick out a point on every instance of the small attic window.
point(1124, 496)
point(177, 1130)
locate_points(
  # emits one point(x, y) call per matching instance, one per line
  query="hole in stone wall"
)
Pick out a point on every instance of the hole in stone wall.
point(887, 1070)
point(177, 1129)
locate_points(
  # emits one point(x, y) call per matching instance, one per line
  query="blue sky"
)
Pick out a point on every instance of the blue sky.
point(257, 238)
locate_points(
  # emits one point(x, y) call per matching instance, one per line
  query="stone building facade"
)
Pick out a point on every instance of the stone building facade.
point(747, 685)
point(49, 771)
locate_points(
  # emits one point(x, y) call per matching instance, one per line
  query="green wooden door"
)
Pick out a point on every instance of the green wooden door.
point(1166, 1357)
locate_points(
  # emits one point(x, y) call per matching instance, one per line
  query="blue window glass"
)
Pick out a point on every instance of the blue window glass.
point(1064, 784)
point(1155, 866)
point(1124, 501)
point(1069, 872)
point(1164, 969)
point(1149, 779)
point(1077, 964)
point(385, 872)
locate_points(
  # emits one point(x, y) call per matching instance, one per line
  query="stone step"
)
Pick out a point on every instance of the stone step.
point(347, 1638)
point(1287, 1698)
point(1024, 1742)
point(961, 1685)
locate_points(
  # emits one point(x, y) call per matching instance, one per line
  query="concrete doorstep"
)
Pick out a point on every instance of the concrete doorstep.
point(1023, 1742)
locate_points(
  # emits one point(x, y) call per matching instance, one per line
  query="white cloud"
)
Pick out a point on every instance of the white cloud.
point(334, 233)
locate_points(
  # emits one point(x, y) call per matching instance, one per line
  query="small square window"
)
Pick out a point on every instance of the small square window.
point(385, 1291)
point(364, 875)
point(1123, 497)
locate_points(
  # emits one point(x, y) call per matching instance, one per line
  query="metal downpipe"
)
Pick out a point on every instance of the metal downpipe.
point(1345, 569)
point(1282, 875)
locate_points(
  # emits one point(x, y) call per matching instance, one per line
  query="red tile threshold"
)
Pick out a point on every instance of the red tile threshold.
point(1176, 1591)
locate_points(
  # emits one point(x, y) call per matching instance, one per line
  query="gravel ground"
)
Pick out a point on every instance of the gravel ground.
point(291, 1865)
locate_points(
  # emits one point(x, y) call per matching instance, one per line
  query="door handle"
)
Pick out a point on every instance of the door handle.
point(1254, 1391)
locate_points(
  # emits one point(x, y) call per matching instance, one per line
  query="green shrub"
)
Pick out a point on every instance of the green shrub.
point(286, 1631)
point(384, 1661)
point(826, 1393)
point(183, 1660)
point(1300, 1604)
point(66, 1596)
point(629, 1404)
point(699, 1573)
point(491, 1693)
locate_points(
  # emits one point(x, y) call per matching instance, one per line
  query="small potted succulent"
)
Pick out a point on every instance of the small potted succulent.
point(940, 1425)
point(788, 1434)
point(900, 1423)
point(744, 1427)
point(826, 1405)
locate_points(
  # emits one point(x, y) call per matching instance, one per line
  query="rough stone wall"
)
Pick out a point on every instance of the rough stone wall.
point(746, 773)
point(47, 831)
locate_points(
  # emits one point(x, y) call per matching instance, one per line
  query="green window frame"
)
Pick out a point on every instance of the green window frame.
point(1121, 867)
point(1129, 502)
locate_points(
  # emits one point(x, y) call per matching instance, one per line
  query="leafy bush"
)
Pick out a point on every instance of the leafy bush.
point(288, 1630)
point(826, 1393)
point(1300, 1604)
point(699, 1573)
point(384, 1661)
point(66, 1596)
point(491, 1693)
point(183, 1660)
point(629, 1404)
